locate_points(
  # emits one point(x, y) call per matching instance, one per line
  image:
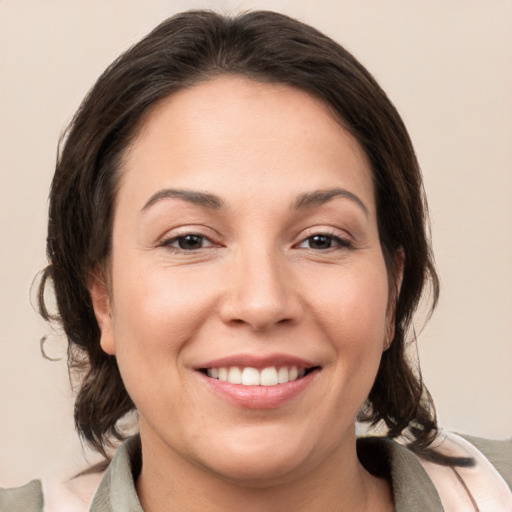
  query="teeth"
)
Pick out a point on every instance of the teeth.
point(250, 377)
point(223, 374)
point(282, 375)
point(235, 375)
point(270, 376)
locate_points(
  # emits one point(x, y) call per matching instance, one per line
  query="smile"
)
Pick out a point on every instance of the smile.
point(258, 382)
point(248, 376)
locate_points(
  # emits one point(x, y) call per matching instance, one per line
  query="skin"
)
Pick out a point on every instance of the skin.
point(257, 284)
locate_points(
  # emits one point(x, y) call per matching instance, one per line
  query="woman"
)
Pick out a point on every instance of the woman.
point(237, 244)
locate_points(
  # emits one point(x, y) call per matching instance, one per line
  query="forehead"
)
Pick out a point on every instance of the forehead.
point(235, 132)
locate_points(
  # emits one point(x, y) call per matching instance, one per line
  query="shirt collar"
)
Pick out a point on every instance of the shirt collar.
point(412, 488)
point(116, 491)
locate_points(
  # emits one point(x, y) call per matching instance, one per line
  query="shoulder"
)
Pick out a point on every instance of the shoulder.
point(499, 453)
point(28, 498)
point(478, 475)
point(436, 482)
point(53, 494)
point(71, 495)
point(104, 487)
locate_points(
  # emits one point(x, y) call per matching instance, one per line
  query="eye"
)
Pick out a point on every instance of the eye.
point(188, 242)
point(322, 242)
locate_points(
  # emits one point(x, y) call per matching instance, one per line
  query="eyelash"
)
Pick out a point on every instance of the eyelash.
point(168, 243)
point(336, 243)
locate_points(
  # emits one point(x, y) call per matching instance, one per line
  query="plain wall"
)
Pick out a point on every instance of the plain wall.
point(447, 66)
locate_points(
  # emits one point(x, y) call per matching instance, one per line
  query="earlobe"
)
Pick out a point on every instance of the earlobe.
point(100, 298)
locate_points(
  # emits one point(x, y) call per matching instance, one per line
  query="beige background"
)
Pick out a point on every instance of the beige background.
point(447, 65)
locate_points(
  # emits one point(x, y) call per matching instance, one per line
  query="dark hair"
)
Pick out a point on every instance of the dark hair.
point(182, 51)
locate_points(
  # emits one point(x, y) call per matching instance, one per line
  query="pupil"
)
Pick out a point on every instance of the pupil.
point(190, 242)
point(320, 242)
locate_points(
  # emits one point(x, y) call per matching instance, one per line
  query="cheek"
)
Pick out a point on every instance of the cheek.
point(351, 311)
point(157, 311)
point(352, 305)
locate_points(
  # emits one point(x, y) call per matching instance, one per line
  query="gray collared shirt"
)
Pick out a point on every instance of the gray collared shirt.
point(412, 488)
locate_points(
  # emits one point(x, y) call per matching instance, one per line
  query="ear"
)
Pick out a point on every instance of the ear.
point(398, 264)
point(100, 298)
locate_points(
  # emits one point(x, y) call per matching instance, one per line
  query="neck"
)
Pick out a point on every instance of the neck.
point(169, 483)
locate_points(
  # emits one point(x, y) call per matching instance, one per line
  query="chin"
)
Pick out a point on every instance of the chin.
point(259, 472)
point(260, 461)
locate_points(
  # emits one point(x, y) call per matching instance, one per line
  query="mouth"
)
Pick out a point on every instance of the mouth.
point(259, 382)
point(251, 376)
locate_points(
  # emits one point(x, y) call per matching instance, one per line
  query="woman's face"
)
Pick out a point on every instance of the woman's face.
point(248, 305)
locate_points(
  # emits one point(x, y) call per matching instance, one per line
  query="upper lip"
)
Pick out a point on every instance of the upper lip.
point(257, 361)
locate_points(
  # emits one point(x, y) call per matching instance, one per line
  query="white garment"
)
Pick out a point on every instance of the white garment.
point(479, 488)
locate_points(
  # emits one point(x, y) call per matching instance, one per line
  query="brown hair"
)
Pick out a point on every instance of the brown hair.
point(182, 51)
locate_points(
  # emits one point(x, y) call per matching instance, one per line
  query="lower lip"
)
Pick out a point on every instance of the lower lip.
point(259, 397)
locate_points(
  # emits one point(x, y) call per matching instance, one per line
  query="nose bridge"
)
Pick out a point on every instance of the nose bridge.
point(260, 292)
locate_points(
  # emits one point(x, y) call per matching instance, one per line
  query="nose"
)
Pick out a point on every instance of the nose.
point(260, 293)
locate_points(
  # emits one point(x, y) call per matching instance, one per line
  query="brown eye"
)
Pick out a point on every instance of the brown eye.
point(323, 242)
point(189, 242)
point(320, 242)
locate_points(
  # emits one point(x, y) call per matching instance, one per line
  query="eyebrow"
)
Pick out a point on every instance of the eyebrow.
point(199, 198)
point(303, 201)
point(319, 197)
